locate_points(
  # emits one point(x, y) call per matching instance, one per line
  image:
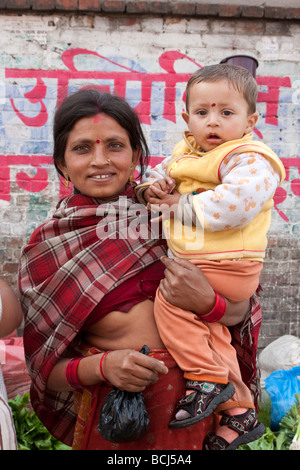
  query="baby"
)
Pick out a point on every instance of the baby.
point(215, 194)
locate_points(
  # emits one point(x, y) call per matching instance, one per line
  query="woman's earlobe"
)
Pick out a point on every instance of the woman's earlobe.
point(136, 156)
point(61, 167)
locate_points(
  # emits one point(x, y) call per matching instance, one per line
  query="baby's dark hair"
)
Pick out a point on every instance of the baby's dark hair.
point(237, 76)
point(91, 101)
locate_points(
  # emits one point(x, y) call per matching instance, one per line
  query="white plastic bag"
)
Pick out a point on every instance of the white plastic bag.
point(283, 353)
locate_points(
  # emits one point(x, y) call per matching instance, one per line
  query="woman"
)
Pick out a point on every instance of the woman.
point(88, 278)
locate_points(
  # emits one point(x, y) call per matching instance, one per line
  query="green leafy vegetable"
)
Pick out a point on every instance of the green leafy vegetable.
point(295, 445)
point(31, 433)
point(290, 423)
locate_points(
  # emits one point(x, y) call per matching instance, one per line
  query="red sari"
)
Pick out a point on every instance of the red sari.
point(161, 398)
point(160, 401)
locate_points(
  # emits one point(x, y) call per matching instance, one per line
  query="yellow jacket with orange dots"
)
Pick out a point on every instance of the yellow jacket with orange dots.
point(194, 172)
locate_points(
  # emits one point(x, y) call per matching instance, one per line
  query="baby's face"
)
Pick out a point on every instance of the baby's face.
point(217, 113)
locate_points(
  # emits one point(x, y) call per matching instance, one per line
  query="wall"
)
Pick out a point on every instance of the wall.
point(145, 51)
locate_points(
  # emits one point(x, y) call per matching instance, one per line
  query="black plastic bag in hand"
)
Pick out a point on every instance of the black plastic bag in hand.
point(123, 415)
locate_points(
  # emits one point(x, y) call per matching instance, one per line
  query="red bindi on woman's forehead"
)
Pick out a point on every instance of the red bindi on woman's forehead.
point(98, 141)
point(97, 118)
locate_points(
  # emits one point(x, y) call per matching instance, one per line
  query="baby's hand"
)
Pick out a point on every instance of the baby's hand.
point(163, 202)
point(166, 185)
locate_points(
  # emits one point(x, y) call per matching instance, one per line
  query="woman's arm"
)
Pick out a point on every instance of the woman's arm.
point(186, 287)
point(126, 369)
point(11, 313)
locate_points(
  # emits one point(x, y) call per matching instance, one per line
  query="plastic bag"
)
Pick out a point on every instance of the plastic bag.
point(282, 386)
point(15, 372)
point(123, 415)
point(283, 353)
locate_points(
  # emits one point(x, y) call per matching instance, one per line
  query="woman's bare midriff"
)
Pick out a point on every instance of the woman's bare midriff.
point(130, 330)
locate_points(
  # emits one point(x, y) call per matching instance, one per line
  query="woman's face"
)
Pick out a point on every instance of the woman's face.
point(99, 157)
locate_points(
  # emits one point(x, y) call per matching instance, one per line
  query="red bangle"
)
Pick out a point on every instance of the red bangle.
point(71, 373)
point(217, 312)
point(101, 365)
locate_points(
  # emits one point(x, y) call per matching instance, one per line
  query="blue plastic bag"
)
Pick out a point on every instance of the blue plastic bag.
point(282, 386)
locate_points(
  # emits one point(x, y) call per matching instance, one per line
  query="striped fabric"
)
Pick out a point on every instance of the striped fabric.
point(245, 341)
point(8, 439)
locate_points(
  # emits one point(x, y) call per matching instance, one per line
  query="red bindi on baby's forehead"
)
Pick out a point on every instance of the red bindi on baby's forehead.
point(213, 105)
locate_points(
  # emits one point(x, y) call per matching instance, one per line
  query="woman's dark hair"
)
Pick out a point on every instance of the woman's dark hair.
point(90, 102)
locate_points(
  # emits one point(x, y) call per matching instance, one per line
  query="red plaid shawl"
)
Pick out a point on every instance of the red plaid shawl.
point(245, 341)
point(65, 270)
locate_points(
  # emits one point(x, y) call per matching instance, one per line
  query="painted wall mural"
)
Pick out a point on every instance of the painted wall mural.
point(31, 96)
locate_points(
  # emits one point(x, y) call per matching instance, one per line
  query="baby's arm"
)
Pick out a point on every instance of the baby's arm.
point(248, 181)
point(151, 176)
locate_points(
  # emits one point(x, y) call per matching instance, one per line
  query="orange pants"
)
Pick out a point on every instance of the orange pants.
point(236, 280)
point(203, 350)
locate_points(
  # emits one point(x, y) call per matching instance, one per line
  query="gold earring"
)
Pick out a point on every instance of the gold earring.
point(66, 182)
point(131, 177)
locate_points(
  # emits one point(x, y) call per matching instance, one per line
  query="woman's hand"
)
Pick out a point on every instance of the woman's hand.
point(185, 286)
point(126, 369)
point(131, 370)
